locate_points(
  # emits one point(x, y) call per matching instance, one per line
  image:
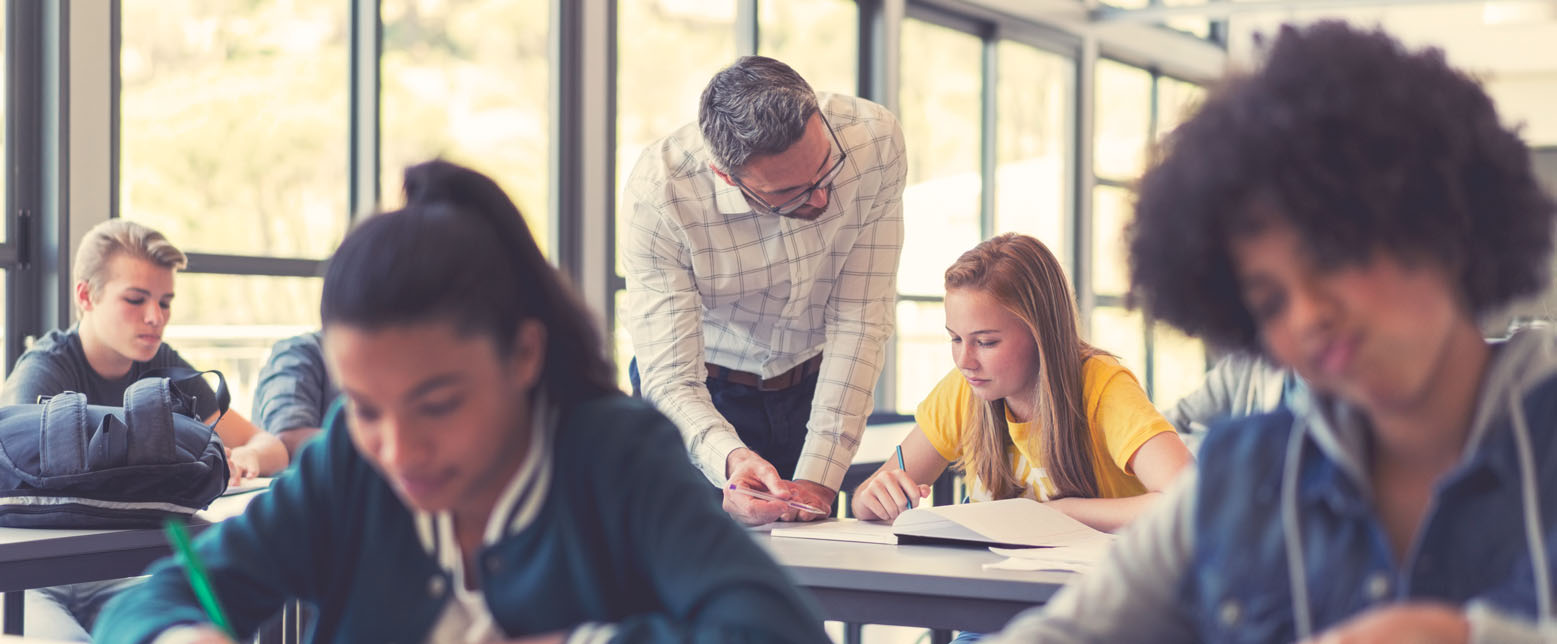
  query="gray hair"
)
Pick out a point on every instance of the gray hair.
point(756, 106)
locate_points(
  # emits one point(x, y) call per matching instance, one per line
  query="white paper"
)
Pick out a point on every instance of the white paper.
point(1010, 521)
point(1031, 565)
point(839, 530)
point(248, 485)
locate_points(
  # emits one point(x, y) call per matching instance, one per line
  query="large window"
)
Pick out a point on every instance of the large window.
point(467, 81)
point(1033, 120)
point(233, 142)
point(947, 97)
point(1135, 108)
point(816, 37)
point(233, 124)
point(942, 112)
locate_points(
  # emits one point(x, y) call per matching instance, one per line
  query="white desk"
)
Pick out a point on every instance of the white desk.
point(37, 558)
point(938, 587)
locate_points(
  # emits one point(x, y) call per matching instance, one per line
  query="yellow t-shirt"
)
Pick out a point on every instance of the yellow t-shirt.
point(1119, 415)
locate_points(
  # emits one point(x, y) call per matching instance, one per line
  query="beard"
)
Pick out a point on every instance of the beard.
point(806, 213)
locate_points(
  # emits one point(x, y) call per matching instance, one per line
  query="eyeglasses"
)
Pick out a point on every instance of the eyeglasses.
point(794, 203)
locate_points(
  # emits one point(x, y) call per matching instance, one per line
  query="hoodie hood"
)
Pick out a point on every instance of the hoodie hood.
point(1515, 366)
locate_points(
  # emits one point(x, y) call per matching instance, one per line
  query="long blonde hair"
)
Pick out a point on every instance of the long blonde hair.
point(1024, 277)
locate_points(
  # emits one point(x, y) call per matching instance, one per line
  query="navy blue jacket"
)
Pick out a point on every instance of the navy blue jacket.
point(628, 534)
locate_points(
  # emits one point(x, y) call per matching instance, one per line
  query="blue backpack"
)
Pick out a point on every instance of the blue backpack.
point(67, 464)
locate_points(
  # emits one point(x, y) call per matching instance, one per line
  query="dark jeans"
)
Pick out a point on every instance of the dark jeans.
point(771, 423)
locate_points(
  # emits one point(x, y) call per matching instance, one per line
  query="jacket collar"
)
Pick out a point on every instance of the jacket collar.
point(522, 498)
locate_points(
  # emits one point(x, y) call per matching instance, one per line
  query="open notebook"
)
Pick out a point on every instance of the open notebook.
point(1010, 522)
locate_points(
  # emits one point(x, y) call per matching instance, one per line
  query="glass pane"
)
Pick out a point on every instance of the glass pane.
point(468, 81)
point(695, 38)
point(1033, 98)
point(1124, 111)
point(1178, 364)
point(229, 322)
point(923, 351)
point(1196, 25)
point(818, 38)
point(233, 127)
point(1119, 331)
point(1176, 101)
point(940, 115)
point(1111, 210)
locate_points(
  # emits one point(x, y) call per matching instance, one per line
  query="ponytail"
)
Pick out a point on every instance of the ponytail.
point(460, 252)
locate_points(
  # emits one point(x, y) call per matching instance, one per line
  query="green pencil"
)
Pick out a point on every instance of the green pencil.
point(198, 579)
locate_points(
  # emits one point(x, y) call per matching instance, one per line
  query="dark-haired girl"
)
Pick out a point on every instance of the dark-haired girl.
point(486, 482)
point(1351, 209)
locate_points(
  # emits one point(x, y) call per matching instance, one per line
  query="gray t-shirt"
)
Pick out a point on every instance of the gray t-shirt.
point(56, 363)
point(294, 391)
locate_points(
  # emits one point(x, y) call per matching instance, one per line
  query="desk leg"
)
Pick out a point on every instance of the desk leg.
point(13, 612)
point(940, 637)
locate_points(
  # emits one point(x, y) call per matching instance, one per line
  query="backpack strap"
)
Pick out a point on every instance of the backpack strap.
point(62, 435)
point(179, 375)
point(148, 411)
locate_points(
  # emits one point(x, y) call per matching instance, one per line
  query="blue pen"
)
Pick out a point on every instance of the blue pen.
point(905, 469)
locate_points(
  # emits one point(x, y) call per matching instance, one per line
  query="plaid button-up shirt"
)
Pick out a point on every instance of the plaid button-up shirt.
point(709, 279)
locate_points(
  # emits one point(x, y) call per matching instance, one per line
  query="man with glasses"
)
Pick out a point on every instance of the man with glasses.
point(761, 259)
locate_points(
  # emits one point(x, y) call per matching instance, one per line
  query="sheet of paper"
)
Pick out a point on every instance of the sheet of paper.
point(248, 485)
point(839, 530)
point(1009, 521)
point(1030, 565)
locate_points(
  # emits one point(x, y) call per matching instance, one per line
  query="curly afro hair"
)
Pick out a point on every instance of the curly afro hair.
point(1360, 145)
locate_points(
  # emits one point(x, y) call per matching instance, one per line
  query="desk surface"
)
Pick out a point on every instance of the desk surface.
point(925, 586)
point(33, 558)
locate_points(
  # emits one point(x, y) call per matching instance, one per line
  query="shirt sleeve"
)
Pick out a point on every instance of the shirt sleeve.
point(859, 318)
point(1213, 400)
point(665, 319)
point(1124, 413)
point(35, 374)
point(291, 393)
point(943, 415)
point(1133, 595)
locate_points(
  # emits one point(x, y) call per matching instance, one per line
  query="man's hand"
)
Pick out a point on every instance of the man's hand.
point(745, 469)
point(1411, 623)
point(812, 494)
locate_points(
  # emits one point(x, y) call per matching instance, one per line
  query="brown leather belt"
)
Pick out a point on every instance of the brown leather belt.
point(777, 383)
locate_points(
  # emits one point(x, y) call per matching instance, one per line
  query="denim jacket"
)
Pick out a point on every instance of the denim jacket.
point(1275, 538)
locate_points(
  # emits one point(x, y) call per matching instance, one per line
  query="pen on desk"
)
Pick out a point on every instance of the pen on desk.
point(198, 579)
point(769, 497)
point(905, 470)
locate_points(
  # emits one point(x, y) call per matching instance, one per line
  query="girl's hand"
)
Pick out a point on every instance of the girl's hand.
point(886, 494)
